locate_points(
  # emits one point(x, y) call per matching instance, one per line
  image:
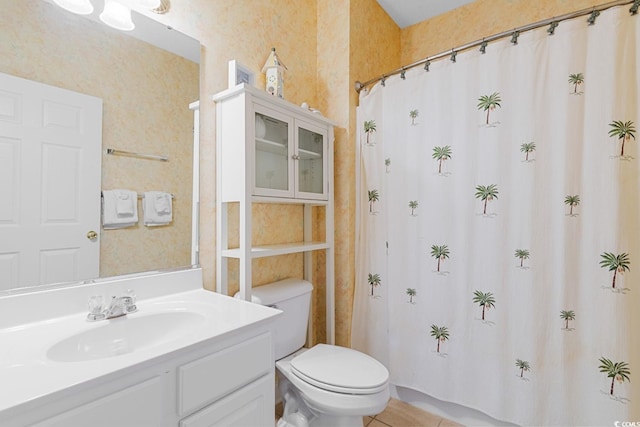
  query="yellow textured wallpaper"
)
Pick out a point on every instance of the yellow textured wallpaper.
point(479, 19)
point(333, 89)
point(146, 92)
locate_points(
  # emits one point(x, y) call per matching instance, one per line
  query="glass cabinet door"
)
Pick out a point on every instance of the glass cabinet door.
point(311, 161)
point(273, 139)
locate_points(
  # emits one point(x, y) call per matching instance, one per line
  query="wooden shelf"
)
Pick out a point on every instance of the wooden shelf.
point(280, 249)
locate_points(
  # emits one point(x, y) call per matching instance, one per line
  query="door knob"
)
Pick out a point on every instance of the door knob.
point(92, 235)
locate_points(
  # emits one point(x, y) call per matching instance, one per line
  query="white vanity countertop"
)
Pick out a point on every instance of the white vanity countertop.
point(27, 372)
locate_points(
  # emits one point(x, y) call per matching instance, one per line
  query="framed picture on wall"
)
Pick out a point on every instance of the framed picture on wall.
point(238, 74)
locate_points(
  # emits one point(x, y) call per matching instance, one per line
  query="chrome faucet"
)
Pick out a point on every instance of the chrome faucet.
point(118, 306)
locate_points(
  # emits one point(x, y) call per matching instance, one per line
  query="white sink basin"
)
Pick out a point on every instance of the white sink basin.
point(124, 335)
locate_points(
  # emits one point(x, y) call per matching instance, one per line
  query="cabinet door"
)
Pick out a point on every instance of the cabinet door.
point(135, 406)
point(252, 405)
point(273, 153)
point(310, 166)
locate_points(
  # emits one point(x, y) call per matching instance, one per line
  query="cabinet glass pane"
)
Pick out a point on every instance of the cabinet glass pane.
point(310, 151)
point(272, 148)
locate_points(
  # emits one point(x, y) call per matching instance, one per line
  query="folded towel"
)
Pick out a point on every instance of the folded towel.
point(110, 217)
point(163, 203)
point(157, 208)
point(126, 201)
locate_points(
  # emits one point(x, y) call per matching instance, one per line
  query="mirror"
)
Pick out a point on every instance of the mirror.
point(146, 93)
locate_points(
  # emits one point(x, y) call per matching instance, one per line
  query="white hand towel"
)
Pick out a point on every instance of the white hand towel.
point(163, 203)
point(126, 201)
point(110, 218)
point(157, 208)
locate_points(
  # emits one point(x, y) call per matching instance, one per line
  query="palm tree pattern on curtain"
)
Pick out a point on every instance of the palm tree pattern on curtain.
point(624, 131)
point(485, 300)
point(374, 281)
point(413, 205)
point(567, 315)
point(369, 130)
point(528, 148)
point(412, 293)
point(524, 366)
point(607, 265)
point(616, 371)
point(440, 253)
point(522, 254)
point(576, 80)
point(374, 196)
point(572, 201)
point(414, 115)
point(616, 263)
point(441, 154)
point(486, 193)
point(489, 103)
point(441, 334)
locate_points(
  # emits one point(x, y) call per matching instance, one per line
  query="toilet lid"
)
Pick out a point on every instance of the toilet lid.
point(340, 369)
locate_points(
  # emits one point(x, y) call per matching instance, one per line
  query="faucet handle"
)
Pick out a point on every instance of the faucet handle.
point(131, 294)
point(96, 303)
point(130, 306)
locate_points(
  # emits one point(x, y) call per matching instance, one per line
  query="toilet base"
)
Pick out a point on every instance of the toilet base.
point(297, 414)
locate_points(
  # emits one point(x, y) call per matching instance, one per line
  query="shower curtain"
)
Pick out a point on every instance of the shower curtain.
point(497, 236)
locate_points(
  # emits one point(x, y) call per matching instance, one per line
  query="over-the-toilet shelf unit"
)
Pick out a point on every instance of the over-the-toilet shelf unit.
point(269, 150)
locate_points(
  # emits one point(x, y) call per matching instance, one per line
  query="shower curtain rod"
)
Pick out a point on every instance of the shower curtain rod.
point(552, 22)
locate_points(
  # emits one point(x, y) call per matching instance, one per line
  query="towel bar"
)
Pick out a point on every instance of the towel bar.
point(142, 156)
point(140, 196)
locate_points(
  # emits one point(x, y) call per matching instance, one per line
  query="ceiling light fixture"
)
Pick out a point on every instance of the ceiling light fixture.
point(117, 15)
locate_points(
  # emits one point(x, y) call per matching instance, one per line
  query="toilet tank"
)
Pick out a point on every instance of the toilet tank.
point(293, 297)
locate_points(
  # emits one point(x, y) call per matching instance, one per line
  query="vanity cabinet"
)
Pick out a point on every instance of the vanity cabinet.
point(269, 150)
point(230, 383)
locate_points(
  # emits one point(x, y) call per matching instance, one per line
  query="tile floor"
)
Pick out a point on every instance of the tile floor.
point(399, 414)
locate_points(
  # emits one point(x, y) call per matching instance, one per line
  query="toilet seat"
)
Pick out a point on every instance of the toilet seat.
point(341, 370)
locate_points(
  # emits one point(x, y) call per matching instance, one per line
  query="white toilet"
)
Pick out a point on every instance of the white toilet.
point(325, 385)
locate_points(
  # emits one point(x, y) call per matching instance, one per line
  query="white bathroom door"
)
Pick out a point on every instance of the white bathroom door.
point(50, 175)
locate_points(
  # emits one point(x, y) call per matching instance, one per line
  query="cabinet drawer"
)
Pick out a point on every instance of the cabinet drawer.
point(205, 380)
point(252, 405)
